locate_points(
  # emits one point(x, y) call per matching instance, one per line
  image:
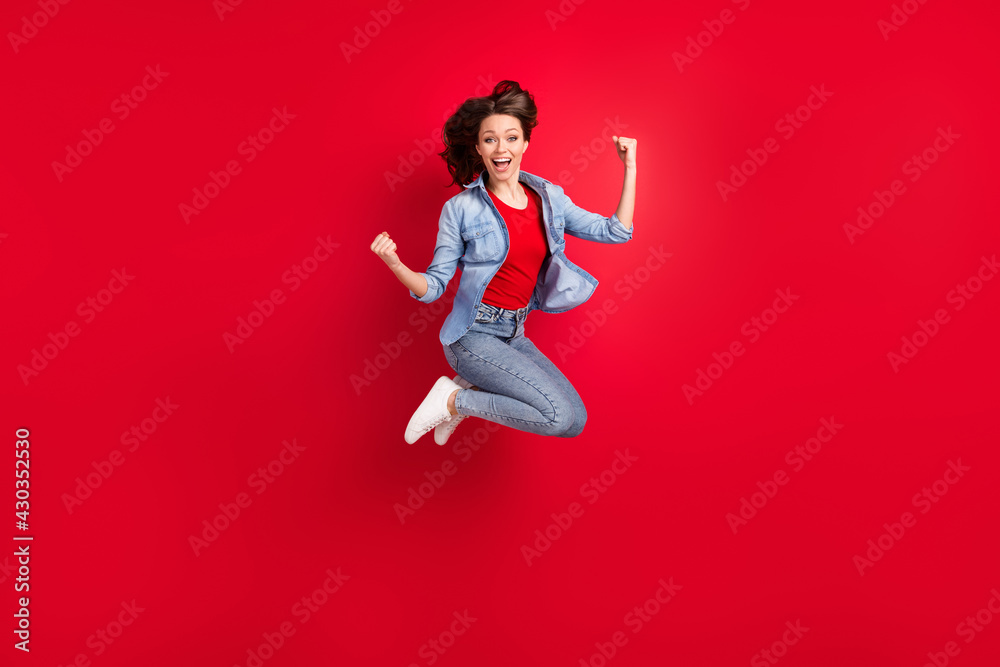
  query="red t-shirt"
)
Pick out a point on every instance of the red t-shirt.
point(514, 282)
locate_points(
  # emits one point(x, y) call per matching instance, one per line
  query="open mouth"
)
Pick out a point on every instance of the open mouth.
point(502, 164)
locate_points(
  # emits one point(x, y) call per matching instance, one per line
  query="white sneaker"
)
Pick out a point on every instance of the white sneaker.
point(432, 411)
point(444, 430)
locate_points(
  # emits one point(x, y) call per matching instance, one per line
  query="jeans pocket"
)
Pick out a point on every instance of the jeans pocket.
point(452, 358)
point(483, 315)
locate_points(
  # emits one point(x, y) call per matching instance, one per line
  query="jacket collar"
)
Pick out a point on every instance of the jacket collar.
point(523, 177)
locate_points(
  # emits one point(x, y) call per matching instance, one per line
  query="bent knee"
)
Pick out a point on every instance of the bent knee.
point(575, 429)
point(574, 419)
point(579, 421)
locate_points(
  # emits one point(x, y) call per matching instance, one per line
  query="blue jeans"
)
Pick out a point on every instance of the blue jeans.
point(518, 386)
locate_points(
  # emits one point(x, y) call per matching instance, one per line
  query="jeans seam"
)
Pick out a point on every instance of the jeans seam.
point(525, 380)
point(483, 413)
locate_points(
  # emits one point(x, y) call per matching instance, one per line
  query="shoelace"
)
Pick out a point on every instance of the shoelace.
point(431, 423)
point(451, 424)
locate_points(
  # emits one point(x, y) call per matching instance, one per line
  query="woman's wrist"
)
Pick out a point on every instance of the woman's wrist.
point(413, 281)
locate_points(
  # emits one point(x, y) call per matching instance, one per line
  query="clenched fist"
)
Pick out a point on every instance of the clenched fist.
point(626, 149)
point(385, 248)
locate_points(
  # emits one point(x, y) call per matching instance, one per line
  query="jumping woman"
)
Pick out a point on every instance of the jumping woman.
point(505, 231)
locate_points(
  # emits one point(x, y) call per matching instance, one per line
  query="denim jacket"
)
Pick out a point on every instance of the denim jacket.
point(473, 235)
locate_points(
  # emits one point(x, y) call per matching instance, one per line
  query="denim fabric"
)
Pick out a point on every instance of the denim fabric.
point(519, 386)
point(472, 235)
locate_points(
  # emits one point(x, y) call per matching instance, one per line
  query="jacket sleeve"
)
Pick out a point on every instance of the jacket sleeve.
point(586, 225)
point(448, 250)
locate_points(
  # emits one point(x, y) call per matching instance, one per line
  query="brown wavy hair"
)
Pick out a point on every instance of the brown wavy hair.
point(461, 131)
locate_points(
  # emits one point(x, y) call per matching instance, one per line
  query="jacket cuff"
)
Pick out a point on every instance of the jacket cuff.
point(427, 297)
point(619, 229)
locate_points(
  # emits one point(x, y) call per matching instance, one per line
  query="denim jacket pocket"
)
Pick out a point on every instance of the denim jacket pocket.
point(482, 242)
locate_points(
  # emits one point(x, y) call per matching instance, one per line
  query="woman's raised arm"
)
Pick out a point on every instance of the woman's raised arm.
point(385, 248)
point(626, 205)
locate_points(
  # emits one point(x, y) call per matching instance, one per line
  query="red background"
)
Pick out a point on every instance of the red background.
point(324, 175)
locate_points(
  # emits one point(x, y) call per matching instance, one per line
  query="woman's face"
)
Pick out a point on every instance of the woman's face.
point(501, 145)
